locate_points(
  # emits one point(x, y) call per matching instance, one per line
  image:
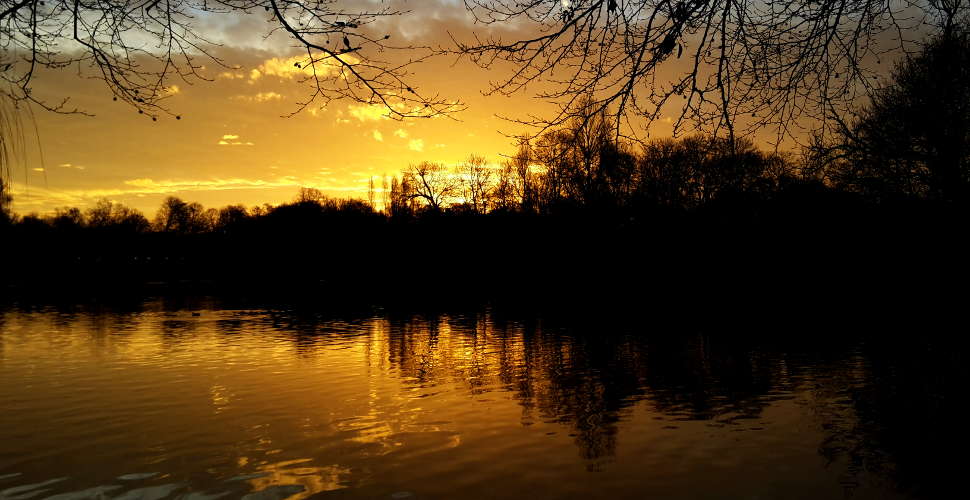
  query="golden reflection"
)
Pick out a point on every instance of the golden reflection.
point(278, 399)
point(314, 479)
point(220, 397)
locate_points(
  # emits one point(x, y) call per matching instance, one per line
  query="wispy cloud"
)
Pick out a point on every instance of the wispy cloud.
point(301, 67)
point(378, 136)
point(148, 186)
point(403, 134)
point(233, 140)
point(36, 197)
point(259, 97)
point(416, 145)
point(368, 112)
point(231, 76)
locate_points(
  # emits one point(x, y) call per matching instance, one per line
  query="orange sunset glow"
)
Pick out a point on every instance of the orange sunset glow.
point(483, 249)
point(235, 140)
point(242, 135)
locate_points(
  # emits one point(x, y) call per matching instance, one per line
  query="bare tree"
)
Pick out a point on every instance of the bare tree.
point(913, 138)
point(178, 216)
point(138, 47)
point(230, 217)
point(108, 214)
point(100, 215)
point(371, 195)
point(476, 179)
point(722, 66)
point(385, 195)
point(310, 195)
point(431, 183)
point(5, 201)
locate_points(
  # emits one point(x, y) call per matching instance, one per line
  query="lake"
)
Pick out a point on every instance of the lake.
point(202, 399)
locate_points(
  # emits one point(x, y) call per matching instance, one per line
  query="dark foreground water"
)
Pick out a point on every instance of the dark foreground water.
point(203, 401)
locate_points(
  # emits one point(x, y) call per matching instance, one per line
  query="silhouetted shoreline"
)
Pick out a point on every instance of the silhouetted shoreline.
point(868, 257)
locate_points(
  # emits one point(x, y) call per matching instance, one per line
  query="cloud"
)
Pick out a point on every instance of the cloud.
point(35, 196)
point(403, 134)
point(150, 186)
point(378, 136)
point(233, 140)
point(301, 67)
point(368, 112)
point(38, 169)
point(259, 97)
point(416, 145)
point(39, 198)
point(68, 165)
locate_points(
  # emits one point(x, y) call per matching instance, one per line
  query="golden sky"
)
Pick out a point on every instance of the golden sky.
point(233, 145)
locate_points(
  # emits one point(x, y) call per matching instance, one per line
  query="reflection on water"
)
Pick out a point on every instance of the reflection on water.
point(211, 402)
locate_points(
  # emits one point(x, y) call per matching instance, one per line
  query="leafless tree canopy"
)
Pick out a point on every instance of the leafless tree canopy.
point(140, 47)
point(431, 183)
point(724, 66)
point(913, 138)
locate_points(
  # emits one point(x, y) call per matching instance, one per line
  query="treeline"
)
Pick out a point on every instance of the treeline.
point(573, 210)
point(577, 171)
point(567, 172)
point(174, 216)
point(577, 208)
point(910, 145)
point(582, 168)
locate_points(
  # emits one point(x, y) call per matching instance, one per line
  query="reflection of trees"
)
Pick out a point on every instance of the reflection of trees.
point(887, 409)
point(885, 413)
point(581, 380)
point(897, 413)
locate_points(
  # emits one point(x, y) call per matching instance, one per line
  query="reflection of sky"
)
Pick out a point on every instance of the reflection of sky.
point(435, 404)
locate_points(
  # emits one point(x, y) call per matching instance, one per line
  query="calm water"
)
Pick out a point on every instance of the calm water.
point(203, 401)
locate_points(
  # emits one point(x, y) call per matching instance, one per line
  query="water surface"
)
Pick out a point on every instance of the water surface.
point(206, 401)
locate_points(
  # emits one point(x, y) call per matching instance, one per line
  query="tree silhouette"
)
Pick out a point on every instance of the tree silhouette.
point(515, 186)
point(914, 136)
point(476, 180)
point(180, 217)
point(716, 64)
point(6, 216)
point(230, 218)
point(108, 214)
point(137, 47)
point(68, 219)
point(698, 170)
point(431, 183)
point(310, 195)
point(722, 66)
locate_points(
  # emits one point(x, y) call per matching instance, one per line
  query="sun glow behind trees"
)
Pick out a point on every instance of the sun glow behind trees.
point(765, 82)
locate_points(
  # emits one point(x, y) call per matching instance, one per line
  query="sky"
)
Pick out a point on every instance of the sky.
point(234, 142)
